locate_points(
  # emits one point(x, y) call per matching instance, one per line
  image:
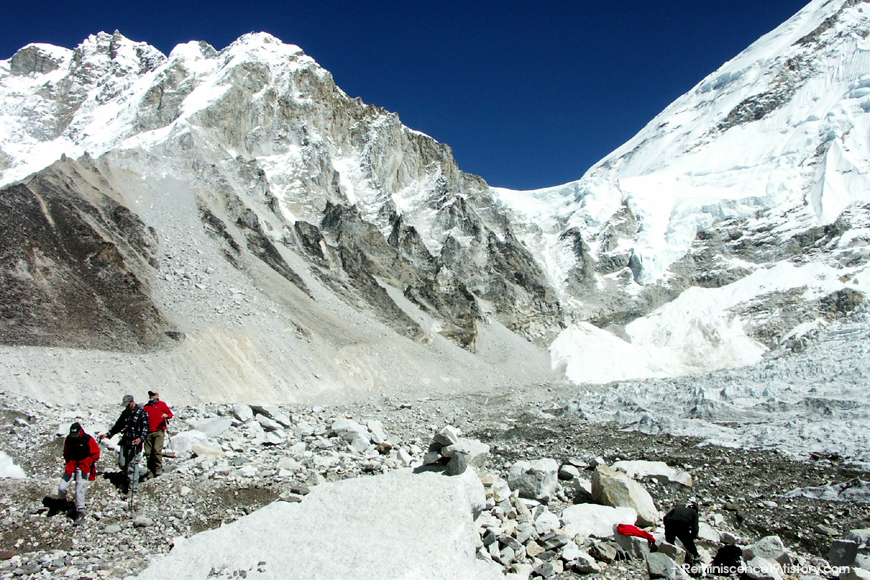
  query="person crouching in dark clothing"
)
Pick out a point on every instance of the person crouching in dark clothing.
point(682, 523)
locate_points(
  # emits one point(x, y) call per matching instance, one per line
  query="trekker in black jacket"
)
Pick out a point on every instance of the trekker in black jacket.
point(133, 427)
point(682, 522)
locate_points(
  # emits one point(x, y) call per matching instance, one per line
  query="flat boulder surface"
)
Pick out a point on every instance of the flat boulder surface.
point(399, 525)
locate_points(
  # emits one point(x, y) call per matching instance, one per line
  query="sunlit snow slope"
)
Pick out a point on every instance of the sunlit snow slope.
point(770, 146)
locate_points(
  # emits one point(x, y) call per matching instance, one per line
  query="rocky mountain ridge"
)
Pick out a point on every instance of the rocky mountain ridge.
point(250, 161)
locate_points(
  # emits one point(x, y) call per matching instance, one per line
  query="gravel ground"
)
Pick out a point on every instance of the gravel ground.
point(739, 490)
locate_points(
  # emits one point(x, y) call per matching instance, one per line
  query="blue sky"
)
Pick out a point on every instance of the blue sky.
point(528, 94)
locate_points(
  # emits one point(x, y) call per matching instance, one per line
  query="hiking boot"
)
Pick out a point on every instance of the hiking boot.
point(79, 519)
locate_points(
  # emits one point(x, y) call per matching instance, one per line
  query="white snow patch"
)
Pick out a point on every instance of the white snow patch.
point(8, 468)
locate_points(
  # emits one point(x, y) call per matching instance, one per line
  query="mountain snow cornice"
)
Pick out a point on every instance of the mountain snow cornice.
point(734, 223)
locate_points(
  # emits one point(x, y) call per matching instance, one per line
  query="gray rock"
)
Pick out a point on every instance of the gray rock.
point(546, 521)
point(506, 556)
point(615, 488)
point(376, 429)
point(535, 479)
point(349, 430)
point(673, 552)
point(856, 574)
point(243, 413)
point(265, 409)
point(215, 427)
point(769, 547)
point(267, 423)
point(553, 540)
point(633, 546)
point(579, 561)
point(596, 520)
point(525, 532)
point(662, 566)
point(457, 465)
point(449, 435)
point(182, 443)
point(206, 451)
point(273, 438)
point(842, 553)
point(476, 453)
point(568, 472)
point(655, 469)
point(545, 570)
point(759, 568)
point(861, 537)
point(304, 430)
point(826, 530)
point(603, 552)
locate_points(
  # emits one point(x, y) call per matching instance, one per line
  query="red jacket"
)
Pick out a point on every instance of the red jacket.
point(81, 452)
point(155, 410)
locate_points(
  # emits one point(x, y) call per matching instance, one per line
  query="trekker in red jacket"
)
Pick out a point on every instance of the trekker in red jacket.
point(158, 416)
point(80, 452)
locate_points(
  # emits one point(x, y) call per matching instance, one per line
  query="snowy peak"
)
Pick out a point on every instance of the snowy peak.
point(676, 254)
point(727, 181)
point(255, 157)
point(38, 59)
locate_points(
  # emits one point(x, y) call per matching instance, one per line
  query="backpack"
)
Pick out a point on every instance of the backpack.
point(727, 561)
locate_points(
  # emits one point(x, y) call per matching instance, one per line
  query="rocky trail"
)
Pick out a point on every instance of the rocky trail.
point(241, 458)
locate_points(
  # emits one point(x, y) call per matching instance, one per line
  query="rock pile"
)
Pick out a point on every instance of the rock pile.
point(543, 517)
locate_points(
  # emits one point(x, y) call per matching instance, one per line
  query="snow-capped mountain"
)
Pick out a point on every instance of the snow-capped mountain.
point(232, 217)
point(739, 212)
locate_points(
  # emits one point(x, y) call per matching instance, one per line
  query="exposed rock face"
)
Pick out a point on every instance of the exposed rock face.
point(307, 192)
point(280, 156)
point(76, 266)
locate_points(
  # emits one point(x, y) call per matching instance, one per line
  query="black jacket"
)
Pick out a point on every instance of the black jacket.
point(132, 425)
point(685, 516)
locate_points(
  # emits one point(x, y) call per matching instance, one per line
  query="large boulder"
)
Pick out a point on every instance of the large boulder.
point(769, 547)
point(182, 443)
point(399, 525)
point(616, 489)
point(536, 480)
point(243, 413)
point(214, 427)
point(588, 519)
point(662, 566)
point(843, 553)
point(632, 546)
point(655, 469)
